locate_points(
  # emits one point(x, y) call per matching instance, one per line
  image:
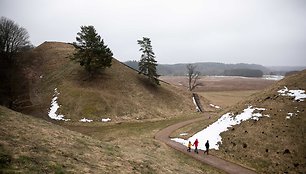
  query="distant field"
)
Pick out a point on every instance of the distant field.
point(226, 98)
point(221, 83)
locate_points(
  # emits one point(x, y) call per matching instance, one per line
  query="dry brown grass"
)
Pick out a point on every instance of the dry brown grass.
point(31, 145)
point(35, 146)
point(211, 83)
point(225, 98)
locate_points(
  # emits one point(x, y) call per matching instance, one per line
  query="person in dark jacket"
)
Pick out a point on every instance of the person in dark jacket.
point(207, 147)
point(196, 143)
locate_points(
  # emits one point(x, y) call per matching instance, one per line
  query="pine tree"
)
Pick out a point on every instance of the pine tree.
point(91, 51)
point(147, 64)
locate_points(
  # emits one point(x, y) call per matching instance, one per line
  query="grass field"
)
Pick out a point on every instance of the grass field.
point(138, 146)
point(221, 83)
point(226, 98)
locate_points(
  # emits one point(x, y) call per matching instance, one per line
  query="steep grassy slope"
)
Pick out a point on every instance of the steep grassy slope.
point(273, 144)
point(31, 145)
point(119, 93)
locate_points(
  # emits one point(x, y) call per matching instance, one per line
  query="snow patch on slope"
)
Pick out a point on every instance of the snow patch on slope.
point(299, 95)
point(213, 131)
point(54, 107)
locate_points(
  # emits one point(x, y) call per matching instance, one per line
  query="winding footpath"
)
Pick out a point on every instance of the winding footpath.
point(229, 167)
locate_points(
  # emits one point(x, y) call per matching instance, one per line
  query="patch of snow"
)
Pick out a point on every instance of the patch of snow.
point(283, 91)
point(213, 131)
point(85, 120)
point(194, 102)
point(231, 77)
point(214, 106)
point(289, 115)
point(180, 140)
point(272, 77)
point(106, 119)
point(53, 108)
point(299, 95)
point(183, 134)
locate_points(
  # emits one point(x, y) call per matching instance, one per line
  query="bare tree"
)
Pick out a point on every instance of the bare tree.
point(193, 77)
point(13, 38)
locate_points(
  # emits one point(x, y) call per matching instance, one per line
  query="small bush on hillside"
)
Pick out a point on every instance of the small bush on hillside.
point(91, 53)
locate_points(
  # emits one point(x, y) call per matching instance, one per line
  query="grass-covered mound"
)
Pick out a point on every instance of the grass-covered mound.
point(119, 92)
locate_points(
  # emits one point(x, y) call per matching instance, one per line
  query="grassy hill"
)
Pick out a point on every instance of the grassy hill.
point(273, 144)
point(119, 93)
point(31, 145)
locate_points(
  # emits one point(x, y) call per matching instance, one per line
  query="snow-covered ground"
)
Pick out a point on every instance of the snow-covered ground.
point(54, 107)
point(299, 95)
point(106, 119)
point(289, 115)
point(85, 120)
point(272, 77)
point(195, 103)
point(213, 131)
point(183, 134)
point(214, 106)
point(266, 77)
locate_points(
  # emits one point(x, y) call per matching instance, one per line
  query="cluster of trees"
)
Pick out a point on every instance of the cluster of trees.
point(13, 39)
point(243, 72)
point(95, 56)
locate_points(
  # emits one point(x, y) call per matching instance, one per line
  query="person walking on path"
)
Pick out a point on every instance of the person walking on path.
point(189, 146)
point(196, 143)
point(207, 147)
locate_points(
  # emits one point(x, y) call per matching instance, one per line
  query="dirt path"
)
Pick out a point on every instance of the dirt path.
point(214, 161)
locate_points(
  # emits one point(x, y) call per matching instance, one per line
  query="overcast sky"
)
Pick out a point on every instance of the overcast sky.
point(267, 32)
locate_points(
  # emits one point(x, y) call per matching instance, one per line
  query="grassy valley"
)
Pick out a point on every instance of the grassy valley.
point(138, 111)
point(124, 145)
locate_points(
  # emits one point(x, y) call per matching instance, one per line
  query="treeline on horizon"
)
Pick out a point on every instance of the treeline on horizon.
point(220, 69)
